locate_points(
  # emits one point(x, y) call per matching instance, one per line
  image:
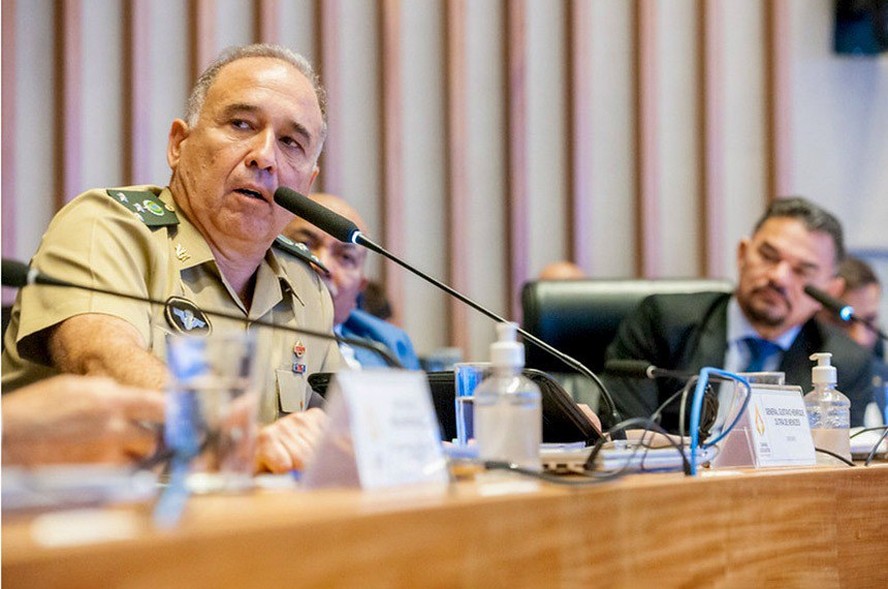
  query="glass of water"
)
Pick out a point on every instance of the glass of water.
point(212, 409)
point(467, 376)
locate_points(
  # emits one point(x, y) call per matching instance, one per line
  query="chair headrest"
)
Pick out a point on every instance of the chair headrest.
point(581, 317)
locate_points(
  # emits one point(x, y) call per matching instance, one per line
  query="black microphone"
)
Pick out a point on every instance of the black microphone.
point(345, 230)
point(639, 369)
point(318, 215)
point(19, 275)
point(841, 309)
point(643, 369)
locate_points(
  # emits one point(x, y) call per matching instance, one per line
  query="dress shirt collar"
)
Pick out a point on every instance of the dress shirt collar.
point(739, 328)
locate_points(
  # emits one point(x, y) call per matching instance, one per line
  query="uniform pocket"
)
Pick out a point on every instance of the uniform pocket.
point(292, 389)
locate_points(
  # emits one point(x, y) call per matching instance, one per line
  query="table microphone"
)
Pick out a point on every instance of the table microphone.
point(841, 309)
point(18, 275)
point(643, 369)
point(345, 230)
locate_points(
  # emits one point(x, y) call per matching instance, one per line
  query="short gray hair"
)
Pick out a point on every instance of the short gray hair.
point(206, 79)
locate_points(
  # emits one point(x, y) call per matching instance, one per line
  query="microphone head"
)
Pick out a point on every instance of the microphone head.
point(628, 368)
point(15, 273)
point(837, 306)
point(317, 214)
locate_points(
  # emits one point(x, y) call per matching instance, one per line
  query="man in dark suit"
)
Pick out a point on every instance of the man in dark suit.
point(767, 324)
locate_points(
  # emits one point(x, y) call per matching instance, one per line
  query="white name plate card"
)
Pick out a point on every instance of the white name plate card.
point(383, 433)
point(781, 435)
point(774, 431)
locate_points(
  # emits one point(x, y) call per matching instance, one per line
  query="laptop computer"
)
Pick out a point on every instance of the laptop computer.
point(563, 421)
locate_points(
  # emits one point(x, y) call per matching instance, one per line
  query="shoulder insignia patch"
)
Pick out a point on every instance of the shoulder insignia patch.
point(146, 207)
point(301, 251)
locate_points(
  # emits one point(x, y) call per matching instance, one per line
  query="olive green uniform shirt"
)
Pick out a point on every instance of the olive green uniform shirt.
point(138, 248)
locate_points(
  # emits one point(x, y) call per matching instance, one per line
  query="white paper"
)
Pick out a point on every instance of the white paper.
point(383, 433)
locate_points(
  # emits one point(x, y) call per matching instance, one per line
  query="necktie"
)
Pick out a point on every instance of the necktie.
point(759, 352)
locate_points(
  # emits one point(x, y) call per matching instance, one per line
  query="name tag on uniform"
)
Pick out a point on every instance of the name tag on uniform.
point(383, 433)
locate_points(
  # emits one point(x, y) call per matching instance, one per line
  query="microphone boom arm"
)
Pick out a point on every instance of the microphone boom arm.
point(360, 239)
point(35, 277)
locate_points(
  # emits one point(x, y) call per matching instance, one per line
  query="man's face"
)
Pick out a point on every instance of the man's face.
point(344, 260)
point(775, 265)
point(865, 301)
point(259, 128)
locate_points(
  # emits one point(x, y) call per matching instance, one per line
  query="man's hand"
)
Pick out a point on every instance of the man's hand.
point(288, 443)
point(68, 419)
point(590, 415)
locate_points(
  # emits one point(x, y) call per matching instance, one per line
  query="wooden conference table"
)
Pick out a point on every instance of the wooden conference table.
point(824, 527)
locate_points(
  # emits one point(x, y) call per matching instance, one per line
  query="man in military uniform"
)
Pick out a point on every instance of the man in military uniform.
point(255, 121)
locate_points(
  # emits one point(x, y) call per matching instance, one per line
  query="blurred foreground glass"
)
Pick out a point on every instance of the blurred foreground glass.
point(880, 396)
point(466, 377)
point(212, 409)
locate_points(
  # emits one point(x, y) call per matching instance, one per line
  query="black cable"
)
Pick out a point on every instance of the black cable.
point(872, 453)
point(836, 456)
point(877, 428)
point(589, 475)
point(587, 479)
point(648, 425)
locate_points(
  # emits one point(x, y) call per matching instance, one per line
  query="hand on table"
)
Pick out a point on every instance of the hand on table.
point(288, 443)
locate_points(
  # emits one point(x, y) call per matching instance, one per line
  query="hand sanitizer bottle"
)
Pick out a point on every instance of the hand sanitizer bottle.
point(829, 411)
point(508, 414)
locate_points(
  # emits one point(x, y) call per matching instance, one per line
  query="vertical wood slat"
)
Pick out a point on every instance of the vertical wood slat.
point(392, 124)
point(330, 70)
point(70, 57)
point(7, 123)
point(268, 18)
point(778, 98)
point(581, 131)
point(648, 149)
point(712, 145)
point(517, 197)
point(137, 81)
point(203, 35)
point(458, 209)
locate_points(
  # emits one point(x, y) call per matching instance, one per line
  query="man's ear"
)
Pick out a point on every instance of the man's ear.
point(179, 131)
point(364, 282)
point(742, 248)
point(314, 175)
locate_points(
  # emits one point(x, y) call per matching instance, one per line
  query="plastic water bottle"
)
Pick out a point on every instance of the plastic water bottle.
point(829, 411)
point(508, 414)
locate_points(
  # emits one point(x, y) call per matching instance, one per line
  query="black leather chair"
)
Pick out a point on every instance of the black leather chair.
point(581, 317)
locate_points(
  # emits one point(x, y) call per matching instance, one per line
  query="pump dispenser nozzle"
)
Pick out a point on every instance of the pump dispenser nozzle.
point(824, 372)
point(506, 351)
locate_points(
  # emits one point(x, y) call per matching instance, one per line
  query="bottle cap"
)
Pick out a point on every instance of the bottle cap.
point(506, 352)
point(824, 372)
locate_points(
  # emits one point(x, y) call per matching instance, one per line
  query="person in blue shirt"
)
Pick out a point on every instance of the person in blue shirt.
point(346, 281)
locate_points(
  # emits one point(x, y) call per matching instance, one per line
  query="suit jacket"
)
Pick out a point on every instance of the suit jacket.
point(689, 331)
point(364, 325)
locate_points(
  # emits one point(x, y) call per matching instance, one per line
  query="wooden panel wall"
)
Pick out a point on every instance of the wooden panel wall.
point(480, 139)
